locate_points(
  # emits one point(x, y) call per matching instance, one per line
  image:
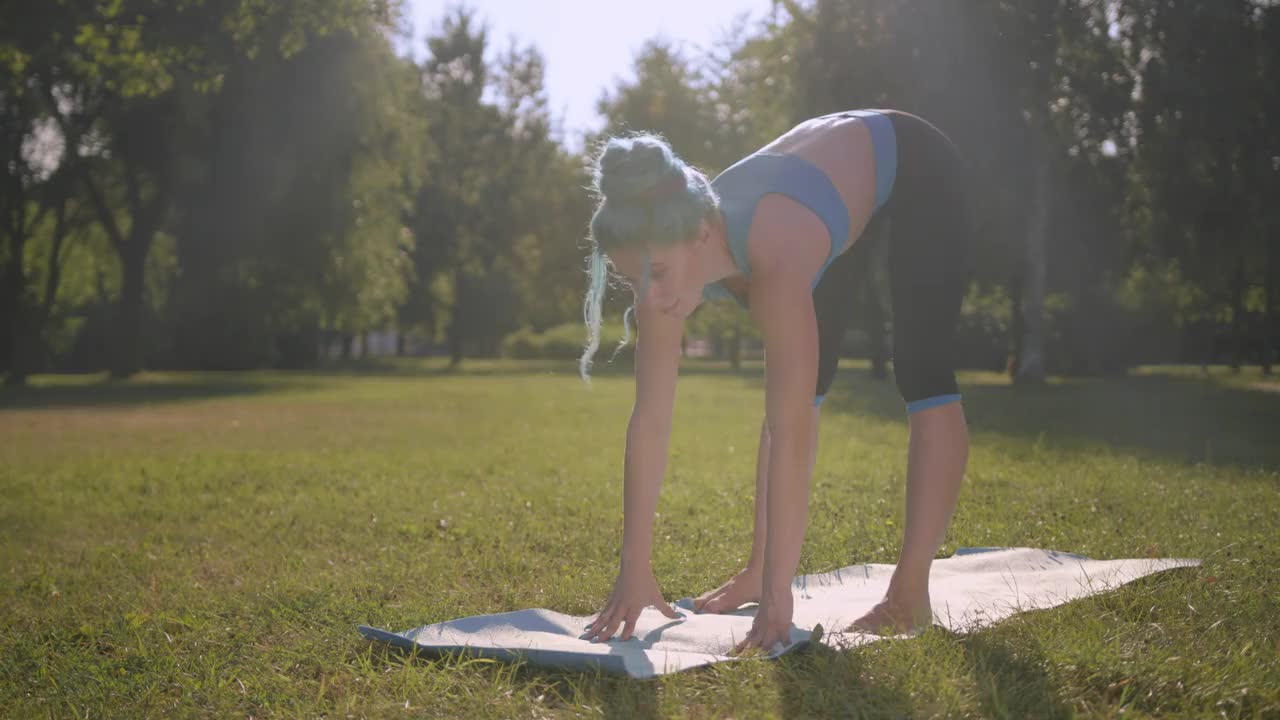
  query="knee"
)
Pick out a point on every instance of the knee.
point(925, 384)
point(918, 380)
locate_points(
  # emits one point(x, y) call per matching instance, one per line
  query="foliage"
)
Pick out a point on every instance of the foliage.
point(565, 342)
point(237, 184)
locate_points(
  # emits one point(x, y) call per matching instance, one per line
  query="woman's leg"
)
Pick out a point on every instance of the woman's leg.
point(928, 256)
point(936, 459)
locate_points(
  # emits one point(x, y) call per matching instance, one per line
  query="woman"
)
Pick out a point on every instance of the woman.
point(774, 232)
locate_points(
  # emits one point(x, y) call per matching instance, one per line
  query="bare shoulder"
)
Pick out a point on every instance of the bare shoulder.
point(786, 239)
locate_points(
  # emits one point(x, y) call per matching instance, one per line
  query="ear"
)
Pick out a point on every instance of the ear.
point(704, 231)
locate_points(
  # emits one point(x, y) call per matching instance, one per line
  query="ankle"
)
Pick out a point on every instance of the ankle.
point(907, 591)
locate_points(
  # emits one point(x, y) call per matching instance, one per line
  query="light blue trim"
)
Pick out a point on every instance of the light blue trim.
point(817, 400)
point(742, 184)
point(929, 402)
point(885, 142)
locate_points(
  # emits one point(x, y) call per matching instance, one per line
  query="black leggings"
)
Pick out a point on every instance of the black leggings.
point(929, 236)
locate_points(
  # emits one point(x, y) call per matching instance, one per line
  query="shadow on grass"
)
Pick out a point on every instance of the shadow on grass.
point(97, 390)
point(618, 696)
point(821, 681)
point(1012, 682)
point(825, 682)
point(623, 366)
point(1179, 418)
point(88, 392)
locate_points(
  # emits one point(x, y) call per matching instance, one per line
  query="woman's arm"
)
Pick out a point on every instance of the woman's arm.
point(657, 364)
point(782, 306)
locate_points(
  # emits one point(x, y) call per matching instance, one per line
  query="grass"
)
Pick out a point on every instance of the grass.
point(203, 545)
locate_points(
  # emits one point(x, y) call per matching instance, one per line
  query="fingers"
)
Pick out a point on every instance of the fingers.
point(747, 642)
point(753, 641)
point(720, 604)
point(601, 622)
point(609, 629)
point(610, 618)
point(709, 604)
point(667, 609)
point(598, 622)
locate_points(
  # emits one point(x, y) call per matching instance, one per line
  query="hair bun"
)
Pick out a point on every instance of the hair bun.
point(636, 168)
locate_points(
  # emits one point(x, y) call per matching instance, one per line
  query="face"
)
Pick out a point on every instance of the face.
point(675, 280)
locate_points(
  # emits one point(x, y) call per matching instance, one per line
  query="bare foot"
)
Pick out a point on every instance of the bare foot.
point(741, 588)
point(894, 616)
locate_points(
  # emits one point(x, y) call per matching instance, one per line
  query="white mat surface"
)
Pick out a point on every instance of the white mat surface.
point(973, 588)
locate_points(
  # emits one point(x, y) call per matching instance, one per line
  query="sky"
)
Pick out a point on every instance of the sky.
point(588, 45)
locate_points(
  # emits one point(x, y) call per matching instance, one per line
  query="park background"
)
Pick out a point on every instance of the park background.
point(290, 298)
point(222, 185)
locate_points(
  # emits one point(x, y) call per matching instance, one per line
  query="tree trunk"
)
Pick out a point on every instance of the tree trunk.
point(14, 283)
point(1269, 325)
point(875, 328)
point(30, 352)
point(1015, 326)
point(26, 330)
point(1031, 365)
point(456, 323)
point(126, 359)
point(1238, 289)
point(15, 306)
point(735, 346)
point(55, 265)
point(14, 215)
point(126, 356)
point(400, 343)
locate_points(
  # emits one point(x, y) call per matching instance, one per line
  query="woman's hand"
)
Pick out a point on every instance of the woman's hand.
point(633, 591)
point(741, 588)
point(772, 624)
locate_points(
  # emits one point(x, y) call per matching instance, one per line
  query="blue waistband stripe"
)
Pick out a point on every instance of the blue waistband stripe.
point(817, 400)
point(929, 402)
point(885, 142)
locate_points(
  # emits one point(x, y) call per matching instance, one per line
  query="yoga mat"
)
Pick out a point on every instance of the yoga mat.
point(973, 588)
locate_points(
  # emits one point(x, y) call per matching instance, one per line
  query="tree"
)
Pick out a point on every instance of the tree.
point(1201, 130)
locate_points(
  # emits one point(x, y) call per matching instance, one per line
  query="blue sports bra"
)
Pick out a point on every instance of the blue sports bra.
point(741, 186)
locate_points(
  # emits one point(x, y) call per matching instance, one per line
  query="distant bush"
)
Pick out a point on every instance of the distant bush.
point(567, 341)
point(523, 344)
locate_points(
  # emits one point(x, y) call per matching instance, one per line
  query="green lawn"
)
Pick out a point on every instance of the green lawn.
point(205, 544)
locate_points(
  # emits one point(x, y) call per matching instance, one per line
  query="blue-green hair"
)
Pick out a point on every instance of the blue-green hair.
point(647, 196)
